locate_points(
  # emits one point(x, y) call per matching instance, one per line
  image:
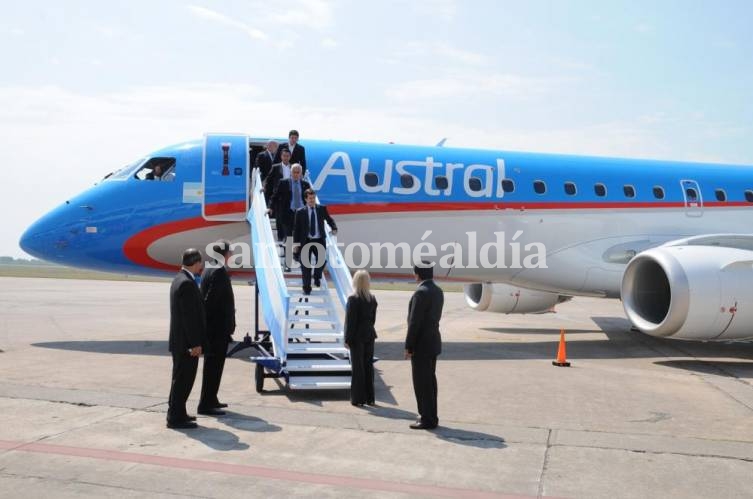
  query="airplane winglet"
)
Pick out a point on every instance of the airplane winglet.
point(441, 142)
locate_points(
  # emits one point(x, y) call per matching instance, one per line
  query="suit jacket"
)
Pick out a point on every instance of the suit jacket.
point(264, 162)
point(283, 194)
point(424, 312)
point(360, 315)
point(187, 319)
point(219, 302)
point(297, 156)
point(301, 225)
point(274, 177)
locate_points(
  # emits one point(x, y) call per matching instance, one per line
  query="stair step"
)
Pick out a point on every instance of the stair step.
point(316, 306)
point(293, 348)
point(314, 292)
point(312, 322)
point(324, 315)
point(319, 382)
point(316, 335)
point(299, 365)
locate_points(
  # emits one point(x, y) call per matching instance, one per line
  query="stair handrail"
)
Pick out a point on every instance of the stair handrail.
point(337, 267)
point(273, 292)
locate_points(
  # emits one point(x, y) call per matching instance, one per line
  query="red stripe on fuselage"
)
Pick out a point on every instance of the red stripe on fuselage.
point(136, 247)
point(376, 208)
point(230, 208)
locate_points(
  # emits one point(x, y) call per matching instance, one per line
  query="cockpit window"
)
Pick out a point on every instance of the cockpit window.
point(124, 172)
point(157, 169)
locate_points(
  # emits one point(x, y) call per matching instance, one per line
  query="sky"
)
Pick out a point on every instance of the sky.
point(89, 86)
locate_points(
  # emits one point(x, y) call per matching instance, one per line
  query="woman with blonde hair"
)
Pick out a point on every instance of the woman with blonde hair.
point(360, 315)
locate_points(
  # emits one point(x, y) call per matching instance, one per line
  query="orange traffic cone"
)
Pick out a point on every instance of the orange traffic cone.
point(561, 354)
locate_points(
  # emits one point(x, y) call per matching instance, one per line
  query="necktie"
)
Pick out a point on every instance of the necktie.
point(296, 195)
point(312, 222)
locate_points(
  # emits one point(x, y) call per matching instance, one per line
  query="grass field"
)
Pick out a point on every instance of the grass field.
point(60, 272)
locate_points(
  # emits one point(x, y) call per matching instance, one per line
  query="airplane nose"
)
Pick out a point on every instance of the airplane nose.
point(38, 239)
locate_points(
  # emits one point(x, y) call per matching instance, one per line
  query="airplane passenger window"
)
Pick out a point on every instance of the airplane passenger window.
point(539, 187)
point(406, 180)
point(570, 188)
point(508, 185)
point(749, 196)
point(691, 194)
point(157, 169)
point(474, 184)
point(371, 179)
point(600, 190)
point(721, 195)
point(440, 182)
point(629, 191)
point(658, 192)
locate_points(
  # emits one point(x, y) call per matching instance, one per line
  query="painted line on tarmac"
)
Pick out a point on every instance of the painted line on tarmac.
point(249, 470)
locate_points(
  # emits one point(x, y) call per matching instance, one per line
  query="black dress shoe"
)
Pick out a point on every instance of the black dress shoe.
point(211, 412)
point(220, 405)
point(181, 425)
point(190, 418)
point(356, 404)
point(422, 426)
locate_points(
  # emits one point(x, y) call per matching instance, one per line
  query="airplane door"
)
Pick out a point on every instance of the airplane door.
point(692, 195)
point(225, 177)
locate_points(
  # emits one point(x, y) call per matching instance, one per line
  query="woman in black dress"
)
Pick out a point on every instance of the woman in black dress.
point(360, 314)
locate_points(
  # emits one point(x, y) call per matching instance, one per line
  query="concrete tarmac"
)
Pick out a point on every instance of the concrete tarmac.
point(85, 372)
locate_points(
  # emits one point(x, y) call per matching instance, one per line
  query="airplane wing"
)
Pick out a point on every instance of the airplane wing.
point(736, 241)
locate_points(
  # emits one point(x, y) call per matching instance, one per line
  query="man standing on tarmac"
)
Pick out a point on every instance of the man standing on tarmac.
point(219, 302)
point(187, 335)
point(423, 344)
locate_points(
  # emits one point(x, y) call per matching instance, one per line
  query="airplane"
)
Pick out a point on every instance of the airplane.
point(672, 240)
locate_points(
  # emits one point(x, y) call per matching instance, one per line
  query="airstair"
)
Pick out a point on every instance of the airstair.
point(303, 343)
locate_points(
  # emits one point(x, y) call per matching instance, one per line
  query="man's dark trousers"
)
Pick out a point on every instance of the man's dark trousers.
point(315, 253)
point(214, 364)
point(184, 375)
point(425, 387)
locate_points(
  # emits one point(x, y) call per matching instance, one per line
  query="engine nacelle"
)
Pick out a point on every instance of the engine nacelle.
point(690, 292)
point(507, 299)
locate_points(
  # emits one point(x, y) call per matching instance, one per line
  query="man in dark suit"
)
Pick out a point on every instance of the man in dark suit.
point(265, 159)
point(423, 344)
point(187, 335)
point(278, 172)
point(308, 232)
point(297, 151)
point(219, 302)
point(287, 199)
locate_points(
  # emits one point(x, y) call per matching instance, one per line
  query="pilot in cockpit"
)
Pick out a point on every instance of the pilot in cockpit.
point(155, 174)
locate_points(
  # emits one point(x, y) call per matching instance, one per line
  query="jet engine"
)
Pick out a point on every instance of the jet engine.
point(690, 292)
point(507, 299)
